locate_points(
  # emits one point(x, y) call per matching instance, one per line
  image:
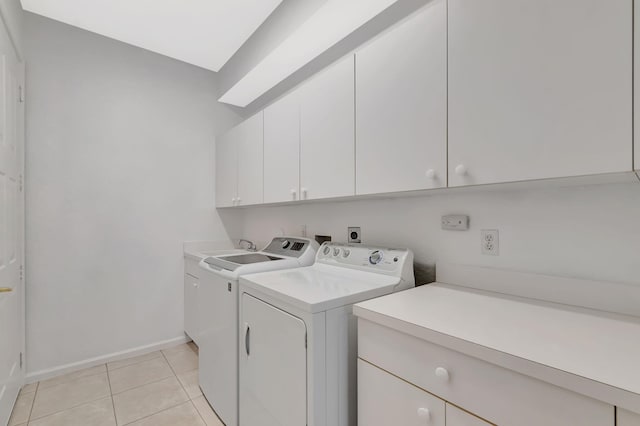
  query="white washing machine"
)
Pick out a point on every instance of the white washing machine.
point(218, 315)
point(298, 344)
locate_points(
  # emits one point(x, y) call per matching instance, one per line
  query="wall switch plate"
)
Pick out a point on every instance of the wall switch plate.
point(355, 235)
point(489, 239)
point(455, 222)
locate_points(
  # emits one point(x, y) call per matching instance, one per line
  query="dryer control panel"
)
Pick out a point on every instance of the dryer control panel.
point(385, 260)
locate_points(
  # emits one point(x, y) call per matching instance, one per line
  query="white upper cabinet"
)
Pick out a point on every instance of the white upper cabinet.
point(226, 170)
point(327, 164)
point(250, 161)
point(401, 106)
point(539, 89)
point(239, 164)
point(627, 418)
point(282, 150)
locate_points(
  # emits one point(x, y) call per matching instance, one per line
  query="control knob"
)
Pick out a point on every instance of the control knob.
point(326, 250)
point(336, 251)
point(375, 257)
point(286, 244)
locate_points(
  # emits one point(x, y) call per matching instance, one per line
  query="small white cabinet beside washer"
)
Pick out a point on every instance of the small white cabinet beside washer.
point(191, 285)
point(273, 366)
point(327, 123)
point(401, 106)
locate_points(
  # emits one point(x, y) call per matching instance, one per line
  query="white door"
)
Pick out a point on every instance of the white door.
point(226, 169)
point(11, 231)
point(282, 150)
point(250, 160)
point(457, 417)
point(327, 142)
point(273, 366)
point(385, 400)
point(539, 89)
point(218, 344)
point(191, 285)
point(401, 106)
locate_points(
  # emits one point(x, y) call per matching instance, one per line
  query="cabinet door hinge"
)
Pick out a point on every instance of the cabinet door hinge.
point(20, 94)
point(21, 272)
point(20, 184)
point(20, 360)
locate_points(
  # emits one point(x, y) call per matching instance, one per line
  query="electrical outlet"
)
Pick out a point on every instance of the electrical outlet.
point(354, 234)
point(490, 242)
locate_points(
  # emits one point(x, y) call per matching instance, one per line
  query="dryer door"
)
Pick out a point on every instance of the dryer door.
point(273, 366)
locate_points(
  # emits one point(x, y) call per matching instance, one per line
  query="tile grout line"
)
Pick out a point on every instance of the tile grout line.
point(35, 393)
point(74, 379)
point(185, 390)
point(158, 412)
point(113, 405)
point(133, 363)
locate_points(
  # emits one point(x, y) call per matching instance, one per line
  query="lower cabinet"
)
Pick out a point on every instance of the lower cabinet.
point(191, 285)
point(627, 418)
point(421, 377)
point(385, 400)
point(457, 417)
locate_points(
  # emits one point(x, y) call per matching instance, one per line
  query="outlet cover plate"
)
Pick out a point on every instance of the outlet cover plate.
point(490, 242)
point(455, 222)
point(354, 234)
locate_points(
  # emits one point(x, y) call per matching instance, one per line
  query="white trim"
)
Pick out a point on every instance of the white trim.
point(10, 30)
point(617, 297)
point(37, 376)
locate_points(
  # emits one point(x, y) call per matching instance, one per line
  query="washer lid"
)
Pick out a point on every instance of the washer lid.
point(321, 287)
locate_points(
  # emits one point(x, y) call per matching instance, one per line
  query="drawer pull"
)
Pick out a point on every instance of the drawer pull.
point(424, 413)
point(442, 374)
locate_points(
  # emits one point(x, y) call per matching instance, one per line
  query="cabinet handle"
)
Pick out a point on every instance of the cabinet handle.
point(304, 193)
point(461, 170)
point(294, 194)
point(442, 374)
point(238, 201)
point(430, 174)
point(424, 413)
point(195, 285)
point(6, 289)
point(247, 338)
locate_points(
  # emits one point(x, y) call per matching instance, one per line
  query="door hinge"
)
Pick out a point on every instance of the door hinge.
point(228, 286)
point(20, 360)
point(20, 94)
point(305, 340)
point(21, 272)
point(20, 185)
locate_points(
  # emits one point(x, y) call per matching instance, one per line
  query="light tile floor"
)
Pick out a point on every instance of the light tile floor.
point(156, 389)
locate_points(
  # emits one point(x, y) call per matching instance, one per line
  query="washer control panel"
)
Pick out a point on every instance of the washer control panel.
point(357, 256)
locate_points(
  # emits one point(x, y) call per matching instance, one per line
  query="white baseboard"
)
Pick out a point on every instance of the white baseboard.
point(48, 373)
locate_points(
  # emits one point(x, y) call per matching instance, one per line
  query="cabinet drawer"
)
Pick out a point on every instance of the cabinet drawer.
point(494, 393)
point(384, 400)
point(457, 417)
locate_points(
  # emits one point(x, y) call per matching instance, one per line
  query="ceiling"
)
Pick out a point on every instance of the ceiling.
point(205, 33)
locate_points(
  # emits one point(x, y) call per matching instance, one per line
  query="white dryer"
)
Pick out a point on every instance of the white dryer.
point(298, 345)
point(218, 315)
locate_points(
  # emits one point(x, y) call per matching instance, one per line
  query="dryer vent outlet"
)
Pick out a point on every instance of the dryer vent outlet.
point(354, 235)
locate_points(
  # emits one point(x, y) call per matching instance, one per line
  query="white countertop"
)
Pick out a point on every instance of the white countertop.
point(590, 352)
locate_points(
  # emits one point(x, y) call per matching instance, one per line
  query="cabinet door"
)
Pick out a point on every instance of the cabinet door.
point(327, 167)
point(250, 160)
point(191, 285)
point(627, 418)
point(282, 150)
point(273, 366)
point(401, 106)
point(538, 89)
point(226, 169)
point(385, 400)
point(457, 417)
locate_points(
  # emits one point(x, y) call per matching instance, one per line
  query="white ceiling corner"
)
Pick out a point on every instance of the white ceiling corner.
point(205, 33)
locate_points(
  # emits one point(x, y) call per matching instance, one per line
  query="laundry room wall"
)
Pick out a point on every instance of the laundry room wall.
point(120, 145)
point(590, 232)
